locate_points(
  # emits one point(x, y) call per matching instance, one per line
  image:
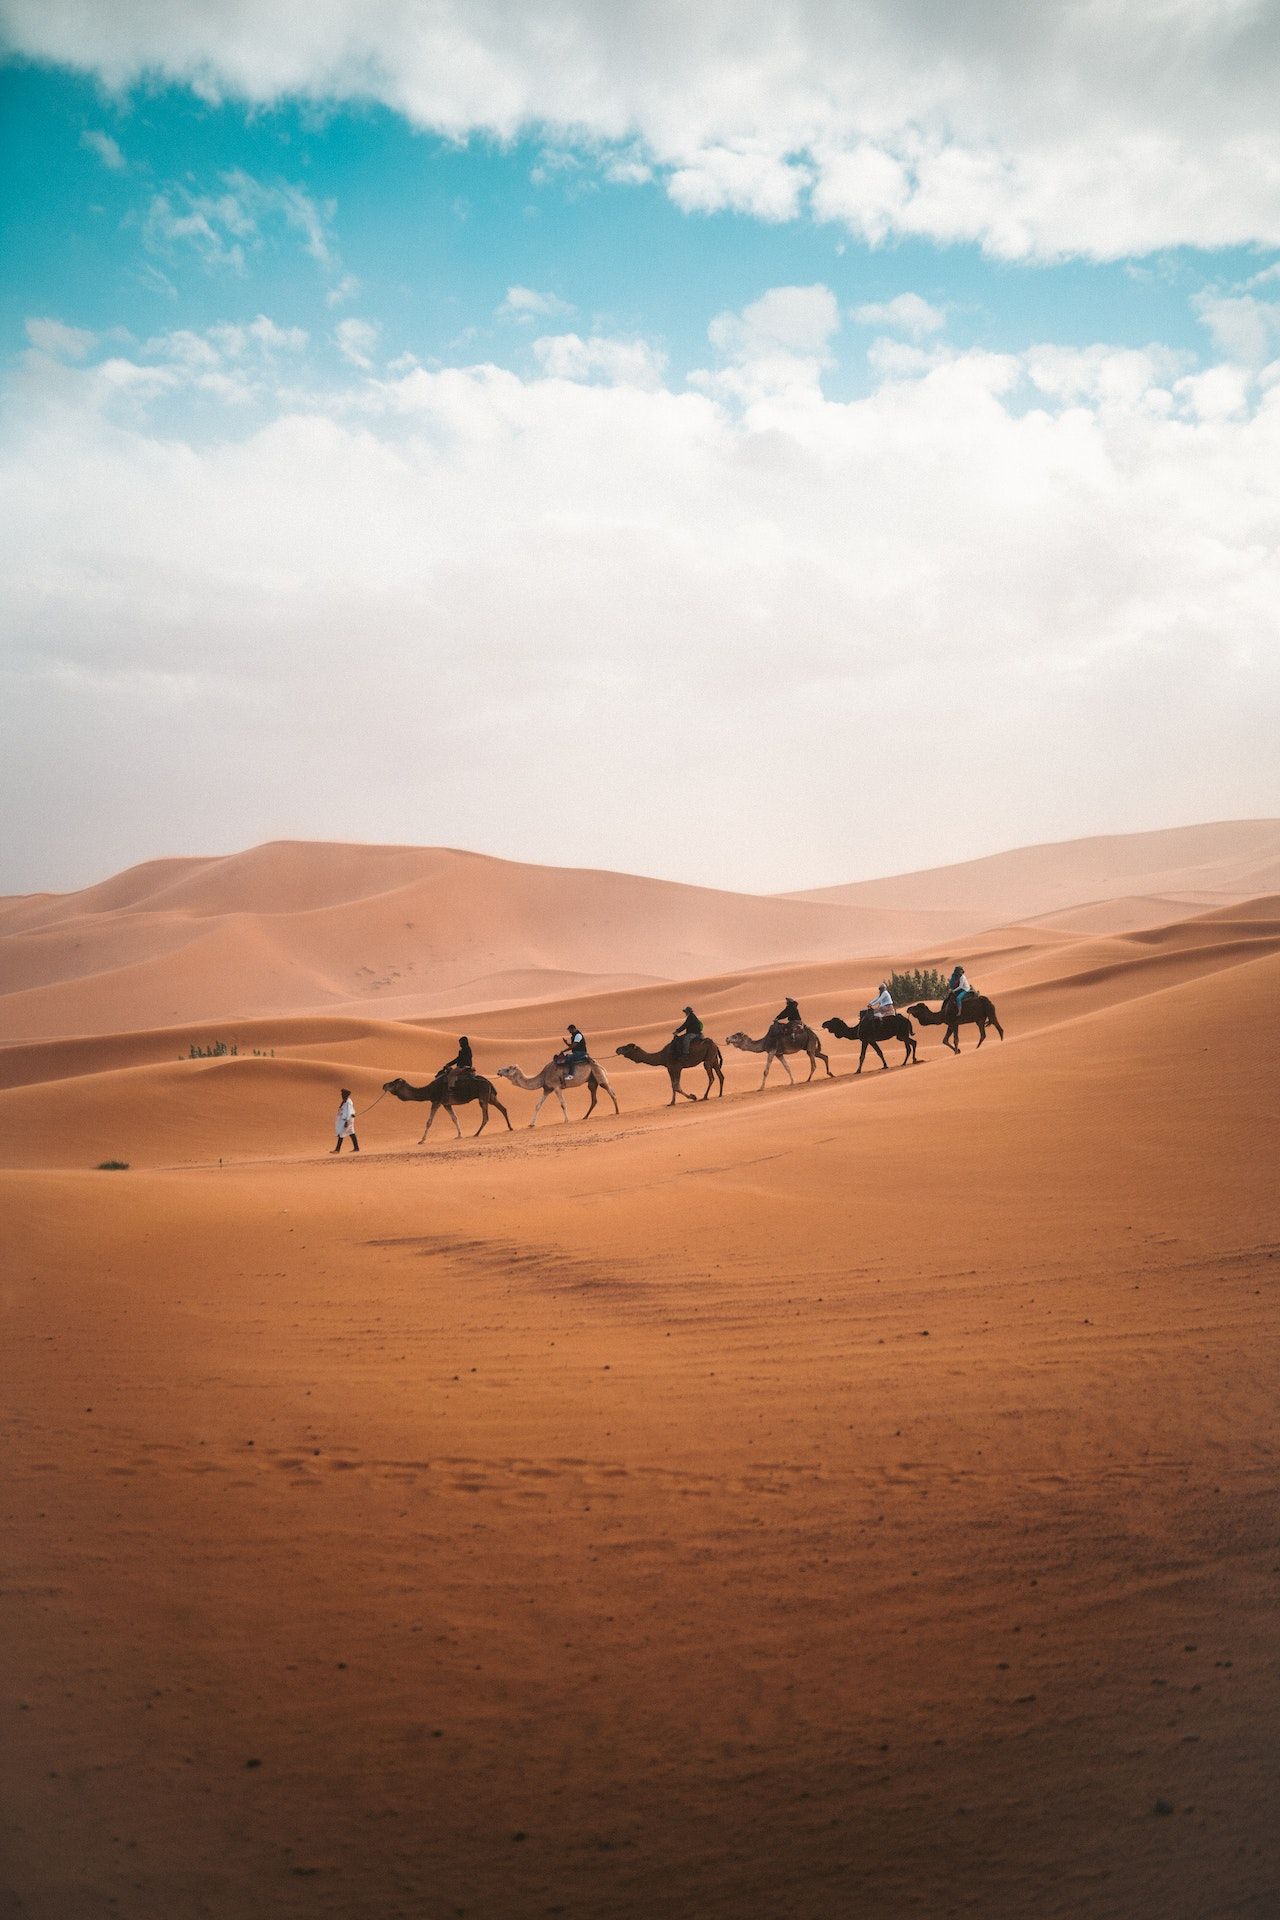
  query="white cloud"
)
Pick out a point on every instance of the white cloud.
point(59, 341)
point(426, 575)
point(1219, 393)
point(746, 176)
point(527, 304)
point(780, 343)
point(1106, 376)
point(107, 149)
point(630, 363)
point(1107, 129)
point(216, 227)
point(357, 341)
point(907, 313)
point(797, 320)
point(902, 360)
point(1243, 327)
point(222, 226)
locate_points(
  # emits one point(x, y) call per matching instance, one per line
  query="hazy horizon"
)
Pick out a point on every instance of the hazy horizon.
point(678, 879)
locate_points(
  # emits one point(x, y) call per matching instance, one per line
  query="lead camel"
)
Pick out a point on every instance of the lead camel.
point(975, 1011)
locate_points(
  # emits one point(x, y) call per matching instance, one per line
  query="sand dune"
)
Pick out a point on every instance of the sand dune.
point(295, 927)
point(854, 1499)
point(1190, 867)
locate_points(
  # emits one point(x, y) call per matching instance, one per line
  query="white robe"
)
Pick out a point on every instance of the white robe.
point(345, 1124)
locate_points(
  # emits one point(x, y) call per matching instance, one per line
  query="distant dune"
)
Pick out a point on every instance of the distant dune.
point(1105, 877)
point(294, 928)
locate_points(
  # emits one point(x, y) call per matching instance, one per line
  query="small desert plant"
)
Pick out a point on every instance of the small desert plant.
point(216, 1050)
point(918, 983)
point(113, 1166)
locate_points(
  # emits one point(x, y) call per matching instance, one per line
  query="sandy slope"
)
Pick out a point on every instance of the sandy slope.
point(850, 1500)
point(296, 927)
point(1184, 868)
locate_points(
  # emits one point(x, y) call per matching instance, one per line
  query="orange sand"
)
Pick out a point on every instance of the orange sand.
point(852, 1500)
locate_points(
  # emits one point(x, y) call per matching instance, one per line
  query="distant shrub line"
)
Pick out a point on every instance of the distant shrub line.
point(226, 1050)
point(921, 983)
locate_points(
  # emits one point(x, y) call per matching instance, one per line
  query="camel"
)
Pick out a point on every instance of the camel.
point(556, 1076)
point(975, 1010)
point(780, 1041)
point(699, 1051)
point(870, 1030)
point(450, 1090)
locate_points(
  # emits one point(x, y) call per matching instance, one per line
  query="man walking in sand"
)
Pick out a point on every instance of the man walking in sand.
point(345, 1124)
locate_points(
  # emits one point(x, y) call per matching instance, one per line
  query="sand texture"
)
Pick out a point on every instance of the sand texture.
point(850, 1499)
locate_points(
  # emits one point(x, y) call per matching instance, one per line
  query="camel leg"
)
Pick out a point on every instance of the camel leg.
point(506, 1116)
point(827, 1064)
point(613, 1096)
point(861, 1057)
point(982, 1033)
point(559, 1093)
point(430, 1117)
point(591, 1089)
point(720, 1078)
point(874, 1045)
point(996, 1024)
point(456, 1126)
point(538, 1109)
point(484, 1119)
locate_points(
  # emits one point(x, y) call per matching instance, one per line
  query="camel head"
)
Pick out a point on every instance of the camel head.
point(396, 1086)
point(736, 1039)
point(507, 1073)
point(629, 1052)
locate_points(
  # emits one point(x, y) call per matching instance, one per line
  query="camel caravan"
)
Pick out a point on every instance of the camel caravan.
point(458, 1084)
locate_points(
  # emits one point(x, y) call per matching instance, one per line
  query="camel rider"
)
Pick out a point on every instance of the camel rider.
point(577, 1047)
point(461, 1061)
point(881, 1006)
point(957, 988)
point(689, 1030)
point(789, 1017)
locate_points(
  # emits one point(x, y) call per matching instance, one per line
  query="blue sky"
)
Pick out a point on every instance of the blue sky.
point(767, 444)
point(434, 231)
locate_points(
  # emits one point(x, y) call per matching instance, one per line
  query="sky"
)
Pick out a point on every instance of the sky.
point(763, 445)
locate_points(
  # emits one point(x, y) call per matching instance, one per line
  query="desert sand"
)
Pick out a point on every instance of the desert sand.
point(856, 1498)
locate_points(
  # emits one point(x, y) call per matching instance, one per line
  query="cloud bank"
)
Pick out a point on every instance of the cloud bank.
point(1102, 130)
point(739, 631)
